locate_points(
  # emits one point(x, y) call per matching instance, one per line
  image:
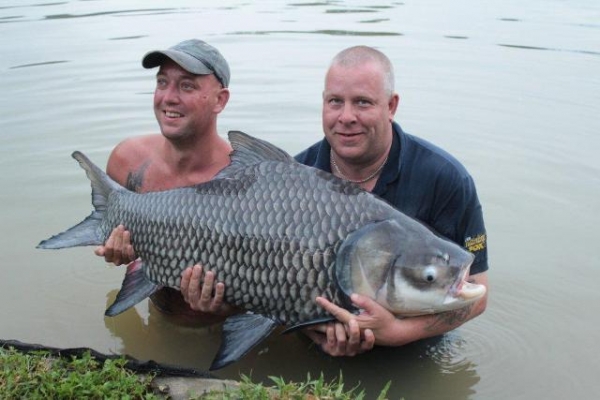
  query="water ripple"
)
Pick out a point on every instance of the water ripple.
point(128, 37)
point(373, 21)
point(524, 47)
point(449, 354)
point(321, 3)
point(345, 11)
point(331, 32)
point(10, 18)
point(104, 13)
point(39, 64)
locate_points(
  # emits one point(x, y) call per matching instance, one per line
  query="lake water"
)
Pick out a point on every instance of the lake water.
point(511, 88)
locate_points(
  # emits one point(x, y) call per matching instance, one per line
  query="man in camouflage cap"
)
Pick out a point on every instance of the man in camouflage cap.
point(192, 88)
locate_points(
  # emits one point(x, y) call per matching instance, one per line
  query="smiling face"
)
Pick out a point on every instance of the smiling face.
point(358, 111)
point(186, 105)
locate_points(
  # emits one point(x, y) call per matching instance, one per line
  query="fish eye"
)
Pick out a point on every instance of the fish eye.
point(430, 274)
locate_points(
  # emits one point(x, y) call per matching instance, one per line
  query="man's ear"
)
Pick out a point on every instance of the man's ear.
point(222, 99)
point(393, 105)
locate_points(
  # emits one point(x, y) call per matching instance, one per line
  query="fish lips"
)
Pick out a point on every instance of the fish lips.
point(464, 290)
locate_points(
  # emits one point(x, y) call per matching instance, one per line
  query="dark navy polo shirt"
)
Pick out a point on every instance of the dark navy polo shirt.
point(426, 183)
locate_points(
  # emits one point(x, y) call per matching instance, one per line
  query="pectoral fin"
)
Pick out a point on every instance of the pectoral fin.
point(323, 320)
point(240, 334)
point(135, 288)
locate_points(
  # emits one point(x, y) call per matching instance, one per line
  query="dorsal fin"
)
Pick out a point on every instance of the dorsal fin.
point(248, 150)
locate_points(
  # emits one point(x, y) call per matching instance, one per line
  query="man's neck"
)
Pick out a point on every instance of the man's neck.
point(197, 155)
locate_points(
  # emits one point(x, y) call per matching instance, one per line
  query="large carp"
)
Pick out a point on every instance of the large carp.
point(278, 234)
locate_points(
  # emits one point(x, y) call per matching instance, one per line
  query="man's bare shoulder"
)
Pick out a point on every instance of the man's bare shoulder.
point(138, 146)
point(131, 154)
point(136, 149)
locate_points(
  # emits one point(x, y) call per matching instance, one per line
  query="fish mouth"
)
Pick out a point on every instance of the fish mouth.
point(471, 291)
point(464, 290)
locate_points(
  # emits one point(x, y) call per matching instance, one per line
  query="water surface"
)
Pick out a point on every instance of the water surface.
point(511, 88)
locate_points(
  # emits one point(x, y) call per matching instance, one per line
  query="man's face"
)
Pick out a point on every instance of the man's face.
point(357, 112)
point(185, 104)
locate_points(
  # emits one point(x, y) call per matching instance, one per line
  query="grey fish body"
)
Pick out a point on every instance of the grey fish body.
point(278, 234)
point(270, 232)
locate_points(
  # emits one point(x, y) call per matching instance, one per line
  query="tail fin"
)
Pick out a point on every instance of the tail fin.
point(87, 232)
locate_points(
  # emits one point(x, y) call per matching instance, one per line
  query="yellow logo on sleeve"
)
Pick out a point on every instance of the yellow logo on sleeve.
point(476, 243)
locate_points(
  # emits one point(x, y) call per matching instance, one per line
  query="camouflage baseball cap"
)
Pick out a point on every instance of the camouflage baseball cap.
point(195, 56)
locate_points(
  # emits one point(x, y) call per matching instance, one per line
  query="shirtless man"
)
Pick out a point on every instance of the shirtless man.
point(191, 90)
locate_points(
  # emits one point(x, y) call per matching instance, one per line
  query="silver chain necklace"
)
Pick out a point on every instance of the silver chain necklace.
point(367, 179)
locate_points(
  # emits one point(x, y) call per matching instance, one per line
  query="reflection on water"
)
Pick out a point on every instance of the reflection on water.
point(511, 88)
point(433, 368)
point(152, 335)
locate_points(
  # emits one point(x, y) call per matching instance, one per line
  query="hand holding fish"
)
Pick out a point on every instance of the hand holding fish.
point(337, 339)
point(353, 334)
point(118, 248)
point(200, 294)
point(373, 316)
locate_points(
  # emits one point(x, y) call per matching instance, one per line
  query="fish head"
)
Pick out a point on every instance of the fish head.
point(428, 279)
point(406, 268)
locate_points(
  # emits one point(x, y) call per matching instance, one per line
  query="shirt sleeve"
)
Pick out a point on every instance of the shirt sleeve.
point(459, 217)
